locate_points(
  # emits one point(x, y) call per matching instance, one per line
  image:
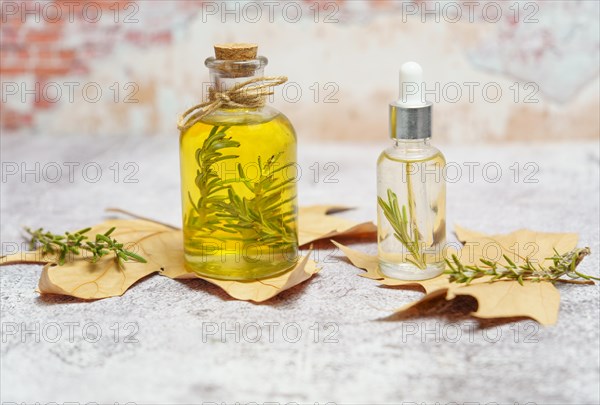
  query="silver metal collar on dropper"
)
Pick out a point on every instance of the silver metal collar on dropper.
point(410, 116)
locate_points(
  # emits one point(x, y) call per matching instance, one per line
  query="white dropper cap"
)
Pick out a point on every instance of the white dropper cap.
point(411, 83)
point(410, 116)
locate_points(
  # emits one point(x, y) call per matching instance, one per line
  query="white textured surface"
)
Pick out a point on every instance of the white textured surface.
point(374, 361)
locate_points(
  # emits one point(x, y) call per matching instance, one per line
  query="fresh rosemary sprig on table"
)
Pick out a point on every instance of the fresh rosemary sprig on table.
point(562, 265)
point(77, 242)
point(404, 227)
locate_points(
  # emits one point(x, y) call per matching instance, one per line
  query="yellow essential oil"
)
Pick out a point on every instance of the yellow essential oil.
point(239, 199)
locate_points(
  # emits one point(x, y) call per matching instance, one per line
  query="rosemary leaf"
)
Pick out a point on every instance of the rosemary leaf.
point(398, 219)
point(260, 214)
point(563, 265)
point(75, 243)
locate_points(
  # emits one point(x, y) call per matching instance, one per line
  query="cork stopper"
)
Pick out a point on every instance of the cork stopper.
point(236, 51)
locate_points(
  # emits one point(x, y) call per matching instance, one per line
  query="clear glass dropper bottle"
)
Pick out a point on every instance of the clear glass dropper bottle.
point(411, 189)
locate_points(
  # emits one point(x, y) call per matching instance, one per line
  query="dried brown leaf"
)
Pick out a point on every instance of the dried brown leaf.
point(505, 299)
point(499, 299)
point(316, 223)
point(86, 280)
point(162, 247)
point(517, 245)
point(38, 257)
point(257, 291)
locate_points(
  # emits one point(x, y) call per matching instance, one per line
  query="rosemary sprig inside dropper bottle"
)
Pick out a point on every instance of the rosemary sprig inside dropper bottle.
point(405, 229)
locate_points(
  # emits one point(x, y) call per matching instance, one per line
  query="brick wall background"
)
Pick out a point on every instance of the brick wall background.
point(500, 71)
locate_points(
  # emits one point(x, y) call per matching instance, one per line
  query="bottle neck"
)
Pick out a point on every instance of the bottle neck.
point(412, 143)
point(225, 74)
point(223, 82)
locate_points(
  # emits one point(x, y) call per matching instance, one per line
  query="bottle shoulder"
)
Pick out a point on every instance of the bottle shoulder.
point(282, 118)
point(412, 153)
point(265, 120)
point(242, 116)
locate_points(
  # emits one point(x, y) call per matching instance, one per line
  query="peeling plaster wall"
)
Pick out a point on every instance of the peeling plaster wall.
point(124, 68)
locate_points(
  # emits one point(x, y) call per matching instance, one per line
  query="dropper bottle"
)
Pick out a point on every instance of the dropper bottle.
point(411, 188)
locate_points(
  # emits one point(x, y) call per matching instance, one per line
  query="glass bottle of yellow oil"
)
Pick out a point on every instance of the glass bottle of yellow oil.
point(411, 188)
point(238, 180)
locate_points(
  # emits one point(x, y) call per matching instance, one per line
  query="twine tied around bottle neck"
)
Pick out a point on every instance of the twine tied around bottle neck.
point(246, 94)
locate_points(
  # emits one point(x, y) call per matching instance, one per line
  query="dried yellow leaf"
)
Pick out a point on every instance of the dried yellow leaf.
point(518, 245)
point(500, 299)
point(162, 246)
point(258, 290)
point(316, 223)
point(83, 279)
point(370, 263)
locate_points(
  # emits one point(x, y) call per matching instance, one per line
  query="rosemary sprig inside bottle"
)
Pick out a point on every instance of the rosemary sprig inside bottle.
point(405, 229)
point(562, 265)
point(208, 180)
point(78, 242)
point(261, 218)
